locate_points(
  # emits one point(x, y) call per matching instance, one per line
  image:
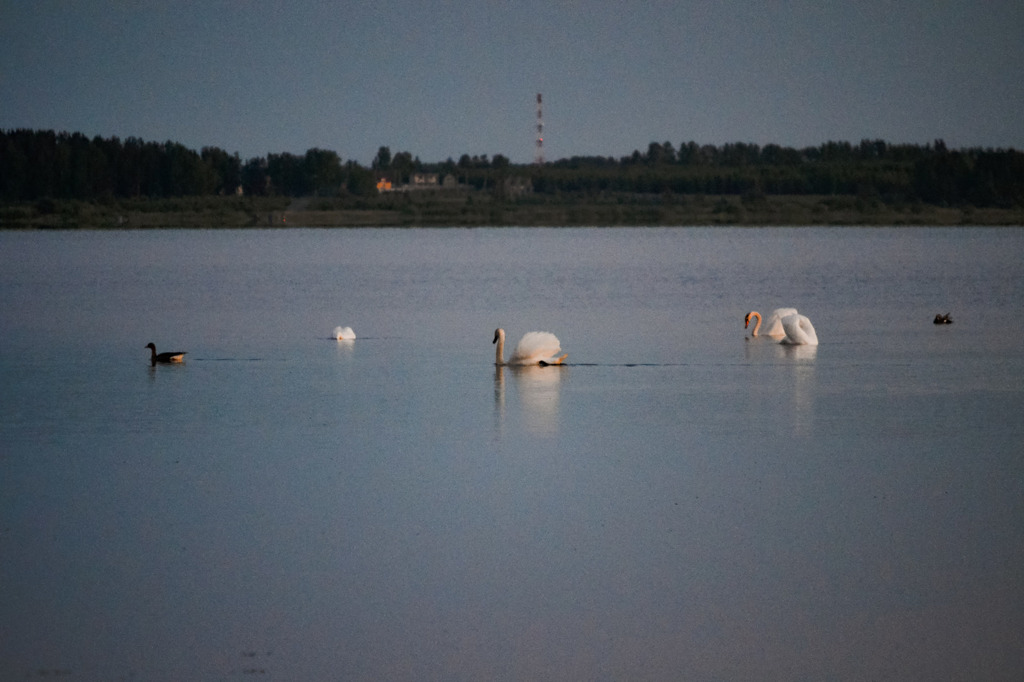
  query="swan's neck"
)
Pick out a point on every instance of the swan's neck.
point(499, 350)
point(758, 325)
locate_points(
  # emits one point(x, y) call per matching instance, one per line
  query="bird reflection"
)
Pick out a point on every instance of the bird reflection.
point(346, 349)
point(798, 388)
point(499, 401)
point(803, 387)
point(538, 390)
point(802, 353)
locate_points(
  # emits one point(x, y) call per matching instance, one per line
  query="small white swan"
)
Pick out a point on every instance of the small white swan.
point(535, 348)
point(799, 331)
point(344, 333)
point(773, 327)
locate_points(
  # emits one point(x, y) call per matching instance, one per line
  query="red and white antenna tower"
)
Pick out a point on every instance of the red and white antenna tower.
point(539, 159)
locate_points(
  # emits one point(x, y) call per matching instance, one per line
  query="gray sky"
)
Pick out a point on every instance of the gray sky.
point(442, 79)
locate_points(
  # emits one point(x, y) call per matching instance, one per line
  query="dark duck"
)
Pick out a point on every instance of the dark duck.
point(164, 358)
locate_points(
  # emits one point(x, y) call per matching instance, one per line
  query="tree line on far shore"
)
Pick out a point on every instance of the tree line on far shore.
point(40, 164)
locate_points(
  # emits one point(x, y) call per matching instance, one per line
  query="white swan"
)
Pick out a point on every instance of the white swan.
point(773, 327)
point(799, 331)
point(535, 348)
point(344, 333)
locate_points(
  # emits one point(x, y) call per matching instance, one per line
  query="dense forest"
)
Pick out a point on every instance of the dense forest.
point(39, 165)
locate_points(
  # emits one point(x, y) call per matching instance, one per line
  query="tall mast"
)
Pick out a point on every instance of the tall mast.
point(539, 159)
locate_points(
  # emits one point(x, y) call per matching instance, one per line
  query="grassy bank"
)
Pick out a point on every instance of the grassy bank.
point(464, 208)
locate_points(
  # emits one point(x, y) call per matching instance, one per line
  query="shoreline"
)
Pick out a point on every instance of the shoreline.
point(480, 210)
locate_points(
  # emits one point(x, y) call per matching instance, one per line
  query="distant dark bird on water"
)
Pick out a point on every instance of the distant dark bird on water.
point(943, 319)
point(173, 356)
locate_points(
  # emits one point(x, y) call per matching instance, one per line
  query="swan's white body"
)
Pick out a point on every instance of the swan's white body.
point(344, 333)
point(535, 348)
point(772, 326)
point(799, 331)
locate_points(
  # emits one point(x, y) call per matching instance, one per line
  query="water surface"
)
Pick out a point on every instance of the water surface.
point(679, 502)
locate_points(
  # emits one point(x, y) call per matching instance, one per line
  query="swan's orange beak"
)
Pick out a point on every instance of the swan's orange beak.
point(746, 321)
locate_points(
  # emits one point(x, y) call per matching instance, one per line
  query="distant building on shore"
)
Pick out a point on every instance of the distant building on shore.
point(423, 180)
point(418, 182)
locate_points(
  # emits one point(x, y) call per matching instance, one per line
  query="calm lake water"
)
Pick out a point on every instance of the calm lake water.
point(679, 502)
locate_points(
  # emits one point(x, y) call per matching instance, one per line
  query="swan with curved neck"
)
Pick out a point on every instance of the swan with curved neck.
point(799, 331)
point(773, 327)
point(535, 348)
point(165, 358)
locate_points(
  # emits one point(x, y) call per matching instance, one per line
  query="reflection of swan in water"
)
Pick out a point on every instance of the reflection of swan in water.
point(799, 331)
point(787, 378)
point(172, 356)
point(344, 333)
point(773, 326)
point(800, 353)
point(803, 392)
point(535, 348)
point(538, 390)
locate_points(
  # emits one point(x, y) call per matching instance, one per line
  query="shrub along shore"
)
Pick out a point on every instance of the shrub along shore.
point(479, 209)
